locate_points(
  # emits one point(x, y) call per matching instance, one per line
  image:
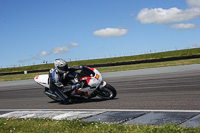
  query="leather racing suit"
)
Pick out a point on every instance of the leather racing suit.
point(58, 82)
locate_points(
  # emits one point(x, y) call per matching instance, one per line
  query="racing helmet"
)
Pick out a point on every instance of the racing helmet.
point(61, 65)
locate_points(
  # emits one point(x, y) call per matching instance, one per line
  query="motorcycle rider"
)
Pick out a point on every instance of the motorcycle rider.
point(62, 75)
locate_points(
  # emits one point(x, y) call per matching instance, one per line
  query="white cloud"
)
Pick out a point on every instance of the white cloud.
point(110, 32)
point(166, 16)
point(43, 53)
point(60, 50)
point(23, 60)
point(28, 59)
point(56, 50)
point(73, 44)
point(193, 3)
point(184, 26)
point(196, 45)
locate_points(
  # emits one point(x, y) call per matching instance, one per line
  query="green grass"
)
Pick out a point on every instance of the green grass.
point(20, 76)
point(178, 53)
point(111, 69)
point(149, 65)
point(77, 126)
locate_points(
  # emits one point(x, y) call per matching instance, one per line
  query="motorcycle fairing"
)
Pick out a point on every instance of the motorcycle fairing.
point(42, 80)
point(92, 76)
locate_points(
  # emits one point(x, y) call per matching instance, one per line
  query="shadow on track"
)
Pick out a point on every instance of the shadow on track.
point(80, 101)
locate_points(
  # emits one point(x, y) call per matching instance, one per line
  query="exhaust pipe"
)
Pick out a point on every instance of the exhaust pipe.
point(50, 94)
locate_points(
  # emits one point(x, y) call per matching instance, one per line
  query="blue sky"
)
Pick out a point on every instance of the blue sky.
point(35, 30)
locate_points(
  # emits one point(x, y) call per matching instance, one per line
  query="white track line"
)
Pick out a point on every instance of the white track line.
point(57, 115)
point(104, 110)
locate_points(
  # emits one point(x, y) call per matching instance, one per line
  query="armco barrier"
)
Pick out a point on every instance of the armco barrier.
point(117, 63)
point(145, 61)
point(34, 71)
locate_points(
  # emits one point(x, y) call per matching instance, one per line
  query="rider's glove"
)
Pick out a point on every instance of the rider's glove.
point(76, 86)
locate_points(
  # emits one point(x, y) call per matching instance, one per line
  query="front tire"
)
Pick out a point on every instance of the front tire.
point(107, 92)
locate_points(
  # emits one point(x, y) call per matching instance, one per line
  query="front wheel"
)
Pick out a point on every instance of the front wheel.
point(107, 92)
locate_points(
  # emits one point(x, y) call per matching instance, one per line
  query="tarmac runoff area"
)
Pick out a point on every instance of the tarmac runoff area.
point(184, 118)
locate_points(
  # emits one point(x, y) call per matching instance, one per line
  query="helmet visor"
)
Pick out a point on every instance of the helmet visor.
point(63, 68)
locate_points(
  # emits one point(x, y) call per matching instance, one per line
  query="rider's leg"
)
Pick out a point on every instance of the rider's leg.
point(57, 91)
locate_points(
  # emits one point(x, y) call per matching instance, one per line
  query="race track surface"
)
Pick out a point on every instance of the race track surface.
point(149, 96)
point(170, 88)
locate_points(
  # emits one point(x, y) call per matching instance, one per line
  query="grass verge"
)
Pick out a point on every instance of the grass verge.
point(74, 126)
point(111, 69)
point(178, 53)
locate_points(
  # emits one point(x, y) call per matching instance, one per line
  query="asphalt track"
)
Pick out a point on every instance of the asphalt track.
point(168, 89)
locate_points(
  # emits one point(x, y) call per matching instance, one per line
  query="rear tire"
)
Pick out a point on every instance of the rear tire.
point(107, 92)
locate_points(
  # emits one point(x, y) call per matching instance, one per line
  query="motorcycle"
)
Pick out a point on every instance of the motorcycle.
point(92, 86)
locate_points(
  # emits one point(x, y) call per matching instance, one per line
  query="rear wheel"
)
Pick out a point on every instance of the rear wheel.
point(107, 92)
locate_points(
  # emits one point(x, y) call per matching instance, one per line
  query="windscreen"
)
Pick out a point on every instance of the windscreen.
point(86, 72)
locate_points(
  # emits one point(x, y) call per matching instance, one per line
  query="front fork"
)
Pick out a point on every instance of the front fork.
point(99, 89)
point(103, 83)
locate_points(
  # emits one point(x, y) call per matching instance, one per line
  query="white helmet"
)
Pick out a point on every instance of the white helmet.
point(61, 65)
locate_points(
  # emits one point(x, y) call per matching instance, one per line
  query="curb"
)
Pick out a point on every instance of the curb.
point(137, 117)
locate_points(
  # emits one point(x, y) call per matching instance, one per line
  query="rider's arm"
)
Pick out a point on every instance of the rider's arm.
point(72, 74)
point(74, 68)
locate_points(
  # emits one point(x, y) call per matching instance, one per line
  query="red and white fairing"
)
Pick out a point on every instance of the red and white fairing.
point(93, 81)
point(42, 80)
